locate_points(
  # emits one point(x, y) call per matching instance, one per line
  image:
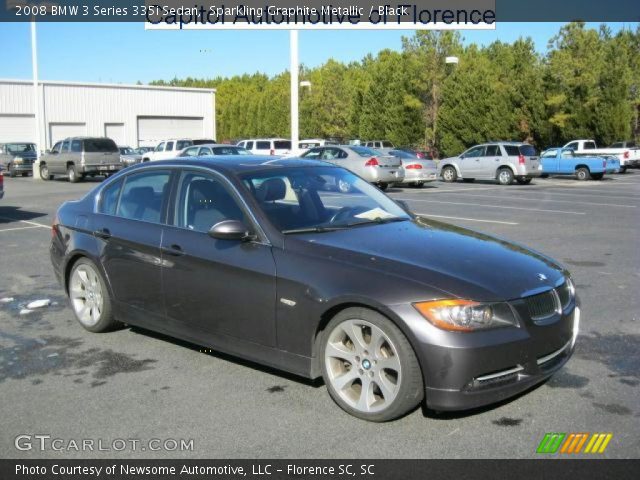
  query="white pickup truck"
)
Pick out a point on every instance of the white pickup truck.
point(628, 156)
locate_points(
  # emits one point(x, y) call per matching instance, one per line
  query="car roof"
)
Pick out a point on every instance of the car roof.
point(235, 165)
point(215, 145)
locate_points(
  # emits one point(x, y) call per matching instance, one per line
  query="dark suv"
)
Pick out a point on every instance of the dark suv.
point(77, 157)
point(17, 157)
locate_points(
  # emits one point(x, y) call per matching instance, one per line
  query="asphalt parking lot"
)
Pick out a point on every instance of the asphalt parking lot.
point(57, 379)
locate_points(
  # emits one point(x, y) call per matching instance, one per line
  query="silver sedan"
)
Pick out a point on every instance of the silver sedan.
point(417, 171)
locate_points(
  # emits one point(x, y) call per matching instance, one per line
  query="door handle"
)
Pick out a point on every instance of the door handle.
point(174, 250)
point(103, 233)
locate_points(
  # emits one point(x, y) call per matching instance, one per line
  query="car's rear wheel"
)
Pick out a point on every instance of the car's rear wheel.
point(44, 172)
point(383, 186)
point(90, 298)
point(369, 367)
point(449, 174)
point(622, 170)
point(523, 181)
point(583, 174)
point(505, 176)
point(72, 174)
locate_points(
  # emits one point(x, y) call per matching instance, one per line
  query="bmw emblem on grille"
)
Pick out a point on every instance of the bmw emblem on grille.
point(542, 277)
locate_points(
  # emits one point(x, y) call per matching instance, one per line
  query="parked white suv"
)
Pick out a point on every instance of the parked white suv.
point(266, 146)
point(166, 149)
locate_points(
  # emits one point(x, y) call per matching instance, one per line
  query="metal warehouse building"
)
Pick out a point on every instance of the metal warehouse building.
point(133, 115)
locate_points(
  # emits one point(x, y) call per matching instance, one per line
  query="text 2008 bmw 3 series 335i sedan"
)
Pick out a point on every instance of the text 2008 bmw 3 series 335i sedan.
point(270, 261)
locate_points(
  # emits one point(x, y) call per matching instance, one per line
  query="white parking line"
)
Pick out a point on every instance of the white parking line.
point(35, 224)
point(18, 228)
point(496, 206)
point(467, 219)
point(546, 200)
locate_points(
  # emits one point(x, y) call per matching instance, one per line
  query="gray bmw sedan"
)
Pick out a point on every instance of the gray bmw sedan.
point(270, 261)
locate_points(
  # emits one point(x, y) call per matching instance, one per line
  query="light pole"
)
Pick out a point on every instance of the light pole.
point(294, 68)
point(36, 99)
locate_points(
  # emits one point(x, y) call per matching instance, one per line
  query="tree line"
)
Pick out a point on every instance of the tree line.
point(586, 85)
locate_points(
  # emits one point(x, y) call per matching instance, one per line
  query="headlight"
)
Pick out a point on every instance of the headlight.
point(466, 315)
point(17, 161)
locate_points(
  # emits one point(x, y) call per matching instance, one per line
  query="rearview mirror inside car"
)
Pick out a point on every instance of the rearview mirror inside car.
point(230, 230)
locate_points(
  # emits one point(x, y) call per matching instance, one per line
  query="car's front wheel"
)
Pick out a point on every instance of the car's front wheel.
point(90, 298)
point(449, 174)
point(12, 171)
point(369, 367)
point(44, 172)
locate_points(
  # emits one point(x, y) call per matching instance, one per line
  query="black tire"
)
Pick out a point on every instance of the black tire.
point(12, 171)
point(544, 175)
point(622, 170)
point(383, 186)
point(44, 172)
point(410, 391)
point(583, 174)
point(597, 176)
point(449, 174)
point(106, 320)
point(417, 184)
point(25, 174)
point(504, 176)
point(468, 180)
point(523, 181)
point(72, 174)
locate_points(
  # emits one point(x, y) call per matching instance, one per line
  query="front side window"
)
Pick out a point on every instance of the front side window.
point(143, 195)
point(76, 146)
point(589, 145)
point(474, 152)
point(169, 146)
point(160, 148)
point(109, 198)
point(203, 202)
point(249, 146)
point(320, 199)
point(550, 153)
point(56, 148)
point(65, 146)
point(183, 144)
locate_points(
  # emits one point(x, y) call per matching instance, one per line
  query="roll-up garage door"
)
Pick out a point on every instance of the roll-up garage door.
point(115, 131)
point(151, 130)
point(17, 128)
point(60, 131)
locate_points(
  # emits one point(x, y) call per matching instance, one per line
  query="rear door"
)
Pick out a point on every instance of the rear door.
point(490, 161)
point(216, 286)
point(128, 228)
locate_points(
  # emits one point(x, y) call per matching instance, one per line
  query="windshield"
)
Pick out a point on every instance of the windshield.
point(318, 199)
point(126, 151)
point(21, 147)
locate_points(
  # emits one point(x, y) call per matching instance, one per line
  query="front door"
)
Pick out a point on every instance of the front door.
point(470, 162)
point(216, 286)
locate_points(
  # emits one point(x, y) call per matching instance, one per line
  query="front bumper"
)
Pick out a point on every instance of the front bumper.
point(22, 167)
point(468, 370)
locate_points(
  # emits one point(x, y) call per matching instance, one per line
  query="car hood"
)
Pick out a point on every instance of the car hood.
point(454, 260)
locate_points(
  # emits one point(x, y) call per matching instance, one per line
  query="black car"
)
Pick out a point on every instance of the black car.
point(266, 260)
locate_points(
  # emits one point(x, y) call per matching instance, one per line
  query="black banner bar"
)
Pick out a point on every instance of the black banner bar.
point(578, 469)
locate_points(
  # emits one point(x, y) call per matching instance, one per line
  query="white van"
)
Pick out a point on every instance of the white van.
point(266, 146)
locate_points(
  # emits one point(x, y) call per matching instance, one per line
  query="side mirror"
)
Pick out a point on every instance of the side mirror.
point(230, 230)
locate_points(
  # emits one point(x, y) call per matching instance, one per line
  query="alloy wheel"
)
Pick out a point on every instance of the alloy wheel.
point(85, 291)
point(363, 365)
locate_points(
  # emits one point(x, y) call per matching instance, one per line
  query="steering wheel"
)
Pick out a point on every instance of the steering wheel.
point(347, 212)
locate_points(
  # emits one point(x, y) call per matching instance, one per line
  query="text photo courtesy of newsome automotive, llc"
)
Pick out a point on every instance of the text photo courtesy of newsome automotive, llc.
point(319, 240)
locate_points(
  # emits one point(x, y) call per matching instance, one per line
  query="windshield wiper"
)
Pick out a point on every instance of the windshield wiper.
point(378, 221)
point(314, 229)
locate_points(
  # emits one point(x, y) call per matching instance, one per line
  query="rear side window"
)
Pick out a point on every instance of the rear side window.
point(512, 150)
point(100, 145)
point(263, 145)
point(364, 151)
point(169, 146)
point(617, 145)
point(387, 144)
point(109, 198)
point(143, 195)
point(527, 151)
point(183, 144)
point(589, 145)
point(282, 145)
